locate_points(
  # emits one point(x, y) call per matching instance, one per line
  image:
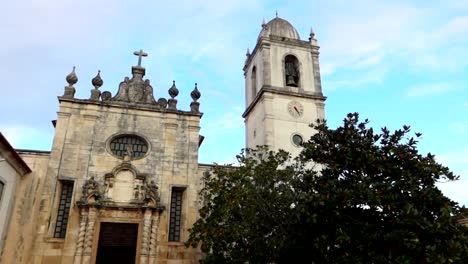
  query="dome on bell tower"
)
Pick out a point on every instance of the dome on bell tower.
point(279, 27)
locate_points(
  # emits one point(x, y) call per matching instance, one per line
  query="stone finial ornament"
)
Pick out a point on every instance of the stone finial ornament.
point(195, 94)
point(69, 89)
point(96, 82)
point(247, 56)
point(173, 91)
point(263, 23)
point(72, 78)
point(312, 34)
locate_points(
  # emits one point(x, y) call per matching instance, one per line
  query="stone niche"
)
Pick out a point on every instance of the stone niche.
point(124, 185)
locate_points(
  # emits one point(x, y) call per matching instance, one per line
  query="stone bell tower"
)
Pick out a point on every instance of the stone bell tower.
point(283, 90)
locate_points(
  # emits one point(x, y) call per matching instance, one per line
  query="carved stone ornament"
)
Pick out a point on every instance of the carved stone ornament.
point(151, 194)
point(96, 82)
point(106, 96)
point(162, 102)
point(90, 191)
point(71, 80)
point(195, 106)
point(136, 90)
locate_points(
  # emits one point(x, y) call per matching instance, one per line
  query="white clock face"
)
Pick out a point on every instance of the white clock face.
point(295, 109)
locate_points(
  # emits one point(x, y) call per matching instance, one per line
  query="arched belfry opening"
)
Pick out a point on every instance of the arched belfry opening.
point(291, 71)
point(253, 80)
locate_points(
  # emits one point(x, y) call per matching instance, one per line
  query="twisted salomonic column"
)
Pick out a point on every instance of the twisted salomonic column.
point(88, 240)
point(145, 237)
point(81, 236)
point(154, 238)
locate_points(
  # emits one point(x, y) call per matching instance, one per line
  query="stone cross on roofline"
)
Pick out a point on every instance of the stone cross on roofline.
point(140, 54)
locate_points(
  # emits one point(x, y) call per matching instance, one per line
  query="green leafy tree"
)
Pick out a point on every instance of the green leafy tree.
point(352, 196)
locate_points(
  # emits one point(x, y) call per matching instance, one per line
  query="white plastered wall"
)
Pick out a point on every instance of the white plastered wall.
point(9, 177)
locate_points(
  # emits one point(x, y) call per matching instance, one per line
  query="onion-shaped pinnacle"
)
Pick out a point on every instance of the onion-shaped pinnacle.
point(173, 91)
point(97, 81)
point(195, 93)
point(72, 78)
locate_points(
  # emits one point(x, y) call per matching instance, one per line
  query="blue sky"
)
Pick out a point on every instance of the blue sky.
point(394, 62)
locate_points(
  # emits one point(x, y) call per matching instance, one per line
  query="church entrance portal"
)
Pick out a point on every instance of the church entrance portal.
point(117, 243)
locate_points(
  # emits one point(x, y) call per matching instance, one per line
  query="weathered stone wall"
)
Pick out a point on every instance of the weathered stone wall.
point(80, 151)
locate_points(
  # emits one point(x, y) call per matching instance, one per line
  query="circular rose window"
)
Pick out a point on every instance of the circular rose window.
point(128, 146)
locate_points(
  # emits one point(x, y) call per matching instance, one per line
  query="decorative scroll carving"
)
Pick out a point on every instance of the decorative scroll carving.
point(90, 192)
point(151, 194)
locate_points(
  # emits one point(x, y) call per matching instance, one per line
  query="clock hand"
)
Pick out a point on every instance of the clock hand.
point(297, 111)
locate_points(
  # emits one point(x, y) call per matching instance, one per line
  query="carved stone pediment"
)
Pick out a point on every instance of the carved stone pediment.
point(135, 90)
point(124, 187)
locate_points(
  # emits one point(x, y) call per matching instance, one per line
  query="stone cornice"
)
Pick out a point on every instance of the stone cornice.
point(282, 91)
point(147, 107)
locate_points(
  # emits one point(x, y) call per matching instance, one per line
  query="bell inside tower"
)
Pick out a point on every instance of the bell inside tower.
point(291, 69)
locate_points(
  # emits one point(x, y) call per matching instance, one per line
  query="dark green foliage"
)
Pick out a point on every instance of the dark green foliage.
point(371, 198)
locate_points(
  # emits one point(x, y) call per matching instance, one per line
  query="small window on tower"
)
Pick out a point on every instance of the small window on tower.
point(254, 82)
point(291, 70)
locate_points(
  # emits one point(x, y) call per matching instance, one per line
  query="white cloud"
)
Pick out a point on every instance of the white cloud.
point(457, 161)
point(366, 78)
point(227, 121)
point(430, 89)
point(456, 191)
point(456, 157)
point(396, 34)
